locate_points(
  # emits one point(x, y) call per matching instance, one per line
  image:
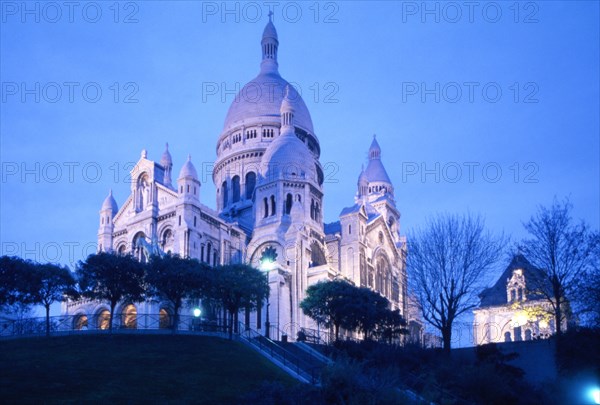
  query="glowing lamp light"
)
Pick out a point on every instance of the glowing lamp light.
point(197, 312)
point(543, 324)
point(267, 265)
point(595, 395)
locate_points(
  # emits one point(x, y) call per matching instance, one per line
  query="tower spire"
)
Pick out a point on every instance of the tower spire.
point(269, 45)
point(287, 109)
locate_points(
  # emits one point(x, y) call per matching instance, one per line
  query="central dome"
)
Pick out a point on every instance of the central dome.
point(260, 100)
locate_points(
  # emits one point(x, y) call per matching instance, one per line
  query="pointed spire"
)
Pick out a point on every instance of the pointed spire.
point(166, 157)
point(374, 149)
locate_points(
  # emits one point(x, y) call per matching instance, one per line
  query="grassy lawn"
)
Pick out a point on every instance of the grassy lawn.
point(131, 369)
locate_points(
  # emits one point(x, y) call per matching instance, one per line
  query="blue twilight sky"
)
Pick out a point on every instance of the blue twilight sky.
point(492, 109)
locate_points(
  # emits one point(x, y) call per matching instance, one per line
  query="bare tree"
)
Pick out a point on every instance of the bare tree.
point(447, 262)
point(563, 250)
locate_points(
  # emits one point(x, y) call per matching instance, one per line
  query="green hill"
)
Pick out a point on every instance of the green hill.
point(131, 369)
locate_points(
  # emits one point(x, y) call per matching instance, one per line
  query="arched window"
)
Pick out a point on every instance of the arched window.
point(80, 323)
point(250, 184)
point(224, 193)
point(507, 337)
point(208, 249)
point(528, 334)
point(266, 207)
point(273, 207)
point(317, 256)
point(288, 204)
point(235, 185)
point(312, 208)
point(138, 240)
point(103, 320)
point(382, 275)
point(142, 192)
point(513, 295)
point(167, 239)
point(164, 319)
point(130, 317)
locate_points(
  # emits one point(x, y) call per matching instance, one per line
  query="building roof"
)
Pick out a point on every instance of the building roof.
point(188, 169)
point(496, 295)
point(332, 228)
point(110, 204)
point(350, 210)
point(166, 158)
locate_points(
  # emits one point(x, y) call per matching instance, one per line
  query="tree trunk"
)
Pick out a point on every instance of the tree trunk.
point(447, 338)
point(230, 325)
point(175, 317)
point(110, 321)
point(558, 319)
point(337, 331)
point(47, 319)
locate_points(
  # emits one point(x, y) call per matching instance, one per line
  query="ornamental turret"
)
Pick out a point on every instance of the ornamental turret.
point(167, 163)
point(105, 231)
point(188, 185)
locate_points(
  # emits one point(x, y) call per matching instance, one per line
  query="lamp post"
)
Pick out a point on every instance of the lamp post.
point(267, 265)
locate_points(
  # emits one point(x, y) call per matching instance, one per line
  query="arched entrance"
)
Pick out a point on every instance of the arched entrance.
point(129, 315)
point(164, 319)
point(103, 321)
point(80, 322)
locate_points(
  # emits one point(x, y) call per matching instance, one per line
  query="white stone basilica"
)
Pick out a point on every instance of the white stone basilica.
point(269, 209)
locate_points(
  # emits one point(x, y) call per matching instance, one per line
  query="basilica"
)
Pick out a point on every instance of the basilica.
point(269, 209)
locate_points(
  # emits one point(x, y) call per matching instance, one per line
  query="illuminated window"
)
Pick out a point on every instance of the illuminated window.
point(104, 320)
point(81, 322)
point(130, 317)
point(164, 320)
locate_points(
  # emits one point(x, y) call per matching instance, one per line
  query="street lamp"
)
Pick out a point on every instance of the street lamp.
point(267, 265)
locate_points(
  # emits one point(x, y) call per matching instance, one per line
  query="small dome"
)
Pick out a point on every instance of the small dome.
point(287, 157)
point(375, 171)
point(269, 31)
point(188, 169)
point(362, 178)
point(110, 204)
point(166, 159)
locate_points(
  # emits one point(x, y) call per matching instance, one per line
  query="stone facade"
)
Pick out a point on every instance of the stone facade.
point(270, 195)
point(514, 309)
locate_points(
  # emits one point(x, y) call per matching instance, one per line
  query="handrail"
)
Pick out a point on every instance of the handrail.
point(288, 359)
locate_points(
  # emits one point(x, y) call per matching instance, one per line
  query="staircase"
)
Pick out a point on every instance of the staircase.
point(299, 363)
